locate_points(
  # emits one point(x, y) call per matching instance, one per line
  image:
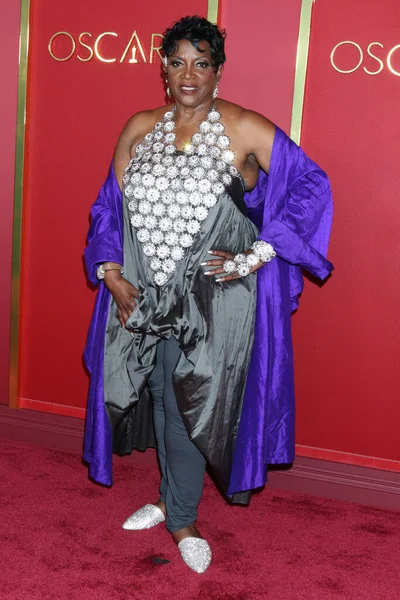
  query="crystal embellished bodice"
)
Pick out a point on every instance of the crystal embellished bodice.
point(170, 193)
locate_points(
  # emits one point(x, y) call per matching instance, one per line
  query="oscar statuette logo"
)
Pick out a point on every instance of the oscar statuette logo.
point(63, 46)
point(351, 57)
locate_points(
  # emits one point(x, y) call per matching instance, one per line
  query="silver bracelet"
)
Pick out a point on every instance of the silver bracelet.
point(263, 250)
point(102, 269)
point(242, 263)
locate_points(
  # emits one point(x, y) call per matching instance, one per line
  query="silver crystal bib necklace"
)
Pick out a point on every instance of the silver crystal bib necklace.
point(170, 193)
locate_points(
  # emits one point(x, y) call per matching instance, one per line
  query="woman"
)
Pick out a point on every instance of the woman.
point(180, 311)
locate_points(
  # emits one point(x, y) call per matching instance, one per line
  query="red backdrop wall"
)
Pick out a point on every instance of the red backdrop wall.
point(261, 48)
point(275, 32)
point(337, 417)
point(76, 110)
point(347, 334)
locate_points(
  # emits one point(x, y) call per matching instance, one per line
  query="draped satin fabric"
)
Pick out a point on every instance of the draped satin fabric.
point(213, 325)
point(292, 209)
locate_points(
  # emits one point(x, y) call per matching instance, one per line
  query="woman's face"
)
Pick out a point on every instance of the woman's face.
point(191, 76)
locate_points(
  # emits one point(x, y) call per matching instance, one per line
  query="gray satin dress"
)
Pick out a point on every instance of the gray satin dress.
point(213, 324)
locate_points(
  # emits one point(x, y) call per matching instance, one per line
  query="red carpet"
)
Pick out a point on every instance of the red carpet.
point(61, 538)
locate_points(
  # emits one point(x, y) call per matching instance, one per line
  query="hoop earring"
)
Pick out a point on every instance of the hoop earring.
point(215, 92)
point(168, 89)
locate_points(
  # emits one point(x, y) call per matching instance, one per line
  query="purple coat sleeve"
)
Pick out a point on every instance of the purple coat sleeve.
point(104, 238)
point(291, 232)
point(105, 242)
point(297, 212)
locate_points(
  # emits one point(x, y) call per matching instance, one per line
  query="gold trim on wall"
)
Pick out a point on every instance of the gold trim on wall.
point(212, 14)
point(301, 69)
point(18, 196)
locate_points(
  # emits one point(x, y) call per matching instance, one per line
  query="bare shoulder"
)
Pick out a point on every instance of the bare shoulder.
point(252, 120)
point(252, 133)
point(138, 125)
point(256, 128)
point(245, 118)
point(250, 126)
point(134, 131)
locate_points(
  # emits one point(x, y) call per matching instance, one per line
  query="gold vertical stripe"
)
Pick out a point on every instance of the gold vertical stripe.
point(301, 69)
point(18, 195)
point(212, 14)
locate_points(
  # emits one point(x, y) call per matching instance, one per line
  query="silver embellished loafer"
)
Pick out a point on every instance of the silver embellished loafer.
point(196, 553)
point(146, 517)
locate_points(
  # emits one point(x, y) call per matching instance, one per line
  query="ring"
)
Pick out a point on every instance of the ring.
point(240, 258)
point(243, 269)
point(230, 266)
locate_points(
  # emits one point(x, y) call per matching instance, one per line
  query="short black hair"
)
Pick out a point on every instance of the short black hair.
point(195, 29)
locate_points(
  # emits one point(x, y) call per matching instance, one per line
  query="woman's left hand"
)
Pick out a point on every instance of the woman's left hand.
point(217, 265)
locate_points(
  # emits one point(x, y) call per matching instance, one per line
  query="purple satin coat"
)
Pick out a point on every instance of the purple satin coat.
point(292, 208)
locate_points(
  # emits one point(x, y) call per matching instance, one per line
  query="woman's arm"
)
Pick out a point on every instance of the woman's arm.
point(133, 132)
point(306, 206)
point(258, 134)
point(105, 243)
point(306, 201)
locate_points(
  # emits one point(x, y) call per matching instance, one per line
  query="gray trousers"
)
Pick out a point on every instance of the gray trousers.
point(182, 464)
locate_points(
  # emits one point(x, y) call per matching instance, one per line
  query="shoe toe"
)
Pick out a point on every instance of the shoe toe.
point(196, 553)
point(146, 517)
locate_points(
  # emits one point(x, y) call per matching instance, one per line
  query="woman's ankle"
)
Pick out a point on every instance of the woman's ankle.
point(184, 532)
point(161, 505)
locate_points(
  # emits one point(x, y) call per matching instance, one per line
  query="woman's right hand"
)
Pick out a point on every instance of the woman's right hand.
point(124, 294)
